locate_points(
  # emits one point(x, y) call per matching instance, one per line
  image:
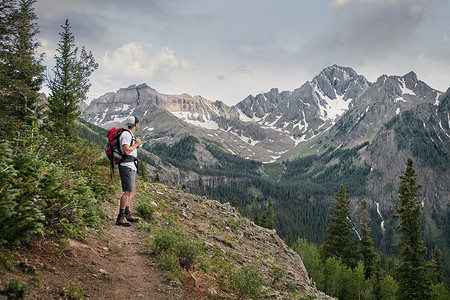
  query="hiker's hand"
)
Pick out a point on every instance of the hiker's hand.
point(138, 143)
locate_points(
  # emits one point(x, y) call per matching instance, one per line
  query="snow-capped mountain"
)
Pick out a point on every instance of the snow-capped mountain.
point(264, 127)
point(337, 107)
point(389, 120)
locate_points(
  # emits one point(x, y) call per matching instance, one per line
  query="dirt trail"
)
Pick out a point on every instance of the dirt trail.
point(119, 270)
point(109, 267)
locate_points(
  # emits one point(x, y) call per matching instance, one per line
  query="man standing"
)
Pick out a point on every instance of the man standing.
point(128, 170)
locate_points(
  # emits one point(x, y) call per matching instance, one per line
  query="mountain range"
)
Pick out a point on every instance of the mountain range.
point(338, 128)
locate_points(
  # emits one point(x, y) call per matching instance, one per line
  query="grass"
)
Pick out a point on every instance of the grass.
point(145, 210)
point(247, 281)
point(71, 291)
point(15, 289)
point(175, 242)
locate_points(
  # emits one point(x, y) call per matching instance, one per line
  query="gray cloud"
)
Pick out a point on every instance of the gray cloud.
point(368, 27)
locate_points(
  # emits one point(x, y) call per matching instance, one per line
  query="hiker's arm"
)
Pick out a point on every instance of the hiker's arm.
point(127, 148)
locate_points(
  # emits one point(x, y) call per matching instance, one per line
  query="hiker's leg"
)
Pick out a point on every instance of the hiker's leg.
point(124, 200)
point(128, 179)
point(127, 199)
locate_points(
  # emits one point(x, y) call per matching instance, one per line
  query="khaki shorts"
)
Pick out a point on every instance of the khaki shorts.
point(127, 178)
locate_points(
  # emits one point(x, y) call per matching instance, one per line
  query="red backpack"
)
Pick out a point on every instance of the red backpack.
point(112, 149)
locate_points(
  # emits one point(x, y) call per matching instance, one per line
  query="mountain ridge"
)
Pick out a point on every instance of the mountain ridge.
point(309, 151)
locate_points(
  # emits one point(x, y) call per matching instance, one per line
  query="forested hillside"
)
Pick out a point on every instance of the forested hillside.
point(54, 179)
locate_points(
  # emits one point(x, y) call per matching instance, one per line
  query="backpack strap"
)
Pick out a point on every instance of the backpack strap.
point(129, 158)
point(133, 138)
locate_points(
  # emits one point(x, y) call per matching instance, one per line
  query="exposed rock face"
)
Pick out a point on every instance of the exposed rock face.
point(249, 128)
point(223, 230)
point(421, 133)
point(318, 103)
point(385, 99)
point(113, 109)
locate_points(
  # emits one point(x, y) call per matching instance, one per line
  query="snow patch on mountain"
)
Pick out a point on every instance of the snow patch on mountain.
point(334, 108)
point(404, 89)
point(193, 119)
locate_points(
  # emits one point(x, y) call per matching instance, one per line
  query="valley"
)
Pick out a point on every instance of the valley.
point(297, 147)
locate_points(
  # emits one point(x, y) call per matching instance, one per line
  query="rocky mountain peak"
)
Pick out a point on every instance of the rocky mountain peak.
point(410, 78)
point(337, 81)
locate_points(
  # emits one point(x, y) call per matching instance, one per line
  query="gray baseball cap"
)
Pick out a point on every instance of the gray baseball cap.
point(132, 121)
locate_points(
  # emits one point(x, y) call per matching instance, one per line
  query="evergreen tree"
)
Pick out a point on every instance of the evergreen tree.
point(414, 282)
point(435, 267)
point(339, 237)
point(268, 217)
point(256, 213)
point(233, 201)
point(21, 72)
point(288, 240)
point(70, 82)
point(156, 179)
point(366, 244)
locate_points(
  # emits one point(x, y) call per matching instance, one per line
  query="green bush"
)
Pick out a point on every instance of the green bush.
point(247, 282)
point(165, 240)
point(67, 200)
point(145, 210)
point(170, 263)
point(19, 177)
point(14, 289)
point(176, 242)
point(48, 181)
point(388, 288)
point(72, 291)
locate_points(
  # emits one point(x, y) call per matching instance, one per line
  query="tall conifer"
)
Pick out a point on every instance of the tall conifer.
point(268, 217)
point(366, 244)
point(21, 70)
point(256, 213)
point(70, 82)
point(436, 268)
point(339, 237)
point(414, 282)
point(233, 201)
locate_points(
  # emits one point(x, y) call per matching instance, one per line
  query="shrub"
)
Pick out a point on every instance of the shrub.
point(72, 291)
point(145, 210)
point(19, 177)
point(170, 263)
point(165, 240)
point(176, 242)
point(14, 289)
point(247, 281)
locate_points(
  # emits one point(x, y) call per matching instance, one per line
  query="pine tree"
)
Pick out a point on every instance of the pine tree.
point(233, 201)
point(289, 242)
point(268, 217)
point(70, 82)
point(21, 71)
point(414, 282)
point(435, 267)
point(156, 179)
point(366, 244)
point(256, 213)
point(339, 237)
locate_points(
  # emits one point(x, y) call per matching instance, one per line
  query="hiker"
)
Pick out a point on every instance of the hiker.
point(128, 171)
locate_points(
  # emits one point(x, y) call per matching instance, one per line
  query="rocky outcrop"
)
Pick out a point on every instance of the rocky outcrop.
point(224, 232)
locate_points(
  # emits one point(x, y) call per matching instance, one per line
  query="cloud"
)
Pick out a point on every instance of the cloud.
point(242, 69)
point(446, 39)
point(140, 61)
point(367, 27)
point(341, 3)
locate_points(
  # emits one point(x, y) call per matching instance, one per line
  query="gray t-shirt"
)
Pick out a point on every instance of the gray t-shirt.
point(127, 138)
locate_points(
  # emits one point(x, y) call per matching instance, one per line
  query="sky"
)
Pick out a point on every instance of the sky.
point(228, 49)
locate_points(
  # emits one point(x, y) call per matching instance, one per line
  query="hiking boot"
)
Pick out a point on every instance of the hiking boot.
point(122, 221)
point(131, 218)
